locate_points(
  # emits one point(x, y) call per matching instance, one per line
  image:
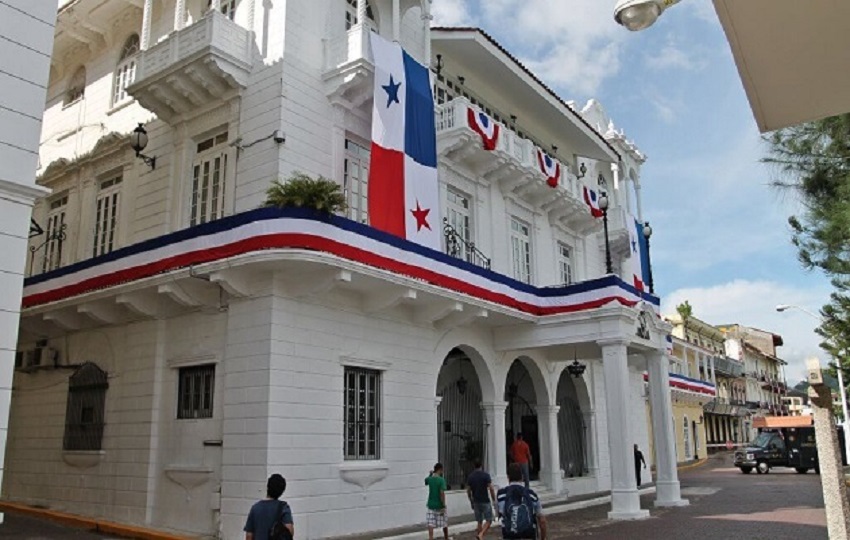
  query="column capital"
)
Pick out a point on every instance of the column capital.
point(611, 342)
point(495, 406)
point(547, 409)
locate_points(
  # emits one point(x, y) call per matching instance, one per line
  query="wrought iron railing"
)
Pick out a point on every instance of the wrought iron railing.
point(458, 246)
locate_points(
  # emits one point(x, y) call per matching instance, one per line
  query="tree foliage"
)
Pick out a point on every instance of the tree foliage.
point(685, 311)
point(302, 190)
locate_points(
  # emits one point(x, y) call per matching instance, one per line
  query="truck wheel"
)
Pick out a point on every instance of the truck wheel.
point(746, 470)
point(762, 467)
point(802, 470)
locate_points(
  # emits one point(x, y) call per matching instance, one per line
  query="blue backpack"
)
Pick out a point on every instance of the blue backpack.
point(518, 519)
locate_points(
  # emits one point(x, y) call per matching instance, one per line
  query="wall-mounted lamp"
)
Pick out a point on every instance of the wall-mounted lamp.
point(582, 170)
point(138, 142)
point(462, 79)
point(554, 148)
point(439, 64)
point(601, 181)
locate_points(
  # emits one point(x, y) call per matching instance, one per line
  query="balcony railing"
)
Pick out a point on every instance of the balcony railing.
point(457, 246)
point(727, 366)
point(348, 48)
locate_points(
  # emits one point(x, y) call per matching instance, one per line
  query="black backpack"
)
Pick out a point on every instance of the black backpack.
point(518, 519)
point(279, 531)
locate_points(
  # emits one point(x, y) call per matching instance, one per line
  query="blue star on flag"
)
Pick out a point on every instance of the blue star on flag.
point(392, 92)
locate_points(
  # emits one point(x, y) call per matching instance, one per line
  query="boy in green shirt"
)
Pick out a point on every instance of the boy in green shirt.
point(436, 516)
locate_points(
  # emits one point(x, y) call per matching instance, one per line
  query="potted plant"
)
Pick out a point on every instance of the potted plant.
point(303, 191)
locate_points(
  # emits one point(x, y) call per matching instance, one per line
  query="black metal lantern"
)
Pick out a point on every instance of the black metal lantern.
point(576, 369)
point(603, 205)
point(462, 385)
point(138, 142)
point(647, 233)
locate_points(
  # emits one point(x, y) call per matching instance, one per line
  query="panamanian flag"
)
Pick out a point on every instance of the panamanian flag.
point(403, 187)
point(636, 267)
point(591, 199)
point(484, 126)
point(549, 167)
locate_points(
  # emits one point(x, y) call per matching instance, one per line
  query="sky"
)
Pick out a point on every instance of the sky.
point(720, 234)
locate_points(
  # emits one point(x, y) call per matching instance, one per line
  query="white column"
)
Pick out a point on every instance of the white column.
point(591, 460)
point(361, 11)
point(664, 437)
point(179, 14)
point(713, 374)
point(615, 170)
point(426, 31)
point(396, 21)
point(551, 449)
point(625, 501)
point(146, 25)
point(215, 5)
point(497, 448)
point(637, 200)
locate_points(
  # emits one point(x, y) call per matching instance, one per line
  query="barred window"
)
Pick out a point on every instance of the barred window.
point(84, 416)
point(362, 414)
point(125, 71)
point(209, 172)
point(55, 231)
point(521, 250)
point(196, 392)
point(106, 215)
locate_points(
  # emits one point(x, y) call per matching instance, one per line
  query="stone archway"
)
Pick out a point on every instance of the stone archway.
point(573, 431)
point(525, 392)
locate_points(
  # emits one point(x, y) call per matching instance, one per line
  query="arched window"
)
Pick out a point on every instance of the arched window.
point(125, 71)
point(76, 86)
point(85, 413)
point(351, 14)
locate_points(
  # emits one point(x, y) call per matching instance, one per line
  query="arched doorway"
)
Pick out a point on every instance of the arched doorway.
point(572, 429)
point(520, 414)
point(461, 437)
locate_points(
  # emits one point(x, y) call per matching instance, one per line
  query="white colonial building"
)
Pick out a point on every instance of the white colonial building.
point(179, 344)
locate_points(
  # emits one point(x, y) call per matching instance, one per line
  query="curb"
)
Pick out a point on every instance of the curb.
point(91, 524)
point(694, 465)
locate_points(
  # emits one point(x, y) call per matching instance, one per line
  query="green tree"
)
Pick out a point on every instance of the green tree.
point(302, 190)
point(685, 311)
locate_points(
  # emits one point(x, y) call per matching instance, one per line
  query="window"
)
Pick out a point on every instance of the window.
point(54, 230)
point(362, 414)
point(195, 394)
point(76, 87)
point(106, 215)
point(565, 263)
point(84, 415)
point(351, 13)
point(208, 179)
point(521, 250)
point(459, 217)
point(686, 437)
point(125, 71)
point(228, 7)
point(355, 180)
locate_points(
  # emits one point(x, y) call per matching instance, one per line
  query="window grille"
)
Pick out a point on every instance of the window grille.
point(55, 222)
point(209, 173)
point(565, 263)
point(196, 391)
point(355, 180)
point(85, 413)
point(351, 14)
point(125, 71)
point(521, 250)
point(362, 414)
point(106, 215)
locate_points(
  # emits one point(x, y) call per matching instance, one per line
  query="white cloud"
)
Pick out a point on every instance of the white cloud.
point(670, 57)
point(753, 303)
point(451, 13)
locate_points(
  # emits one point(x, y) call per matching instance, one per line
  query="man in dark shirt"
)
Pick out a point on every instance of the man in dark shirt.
point(478, 485)
point(638, 460)
point(264, 513)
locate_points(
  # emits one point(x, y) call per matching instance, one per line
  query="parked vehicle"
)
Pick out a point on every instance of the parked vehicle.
point(783, 441)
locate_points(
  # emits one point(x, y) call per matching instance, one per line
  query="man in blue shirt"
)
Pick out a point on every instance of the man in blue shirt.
point(266, 512)
point(478, 485)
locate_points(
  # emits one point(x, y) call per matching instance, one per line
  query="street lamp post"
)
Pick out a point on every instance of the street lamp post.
point(603, 205)
point(647, 233)
point(840, 370)
point(640, 14)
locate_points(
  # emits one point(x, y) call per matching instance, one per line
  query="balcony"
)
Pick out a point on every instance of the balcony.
point(723, 365)
point(206, 62)
point(348, 66)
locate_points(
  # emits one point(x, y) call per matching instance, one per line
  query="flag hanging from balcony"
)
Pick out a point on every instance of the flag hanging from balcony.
point(484, 126)
point(591, 199)
point(637, 265)
point(403, 188)
point(668, 345)
point(549, 167)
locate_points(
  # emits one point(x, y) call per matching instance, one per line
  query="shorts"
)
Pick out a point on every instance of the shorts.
point(483, 512)
point(437, 519)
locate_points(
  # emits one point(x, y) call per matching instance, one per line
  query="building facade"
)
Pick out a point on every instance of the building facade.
point(180, 344)
point(27, 33)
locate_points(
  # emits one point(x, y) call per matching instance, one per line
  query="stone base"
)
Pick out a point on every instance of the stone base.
point(670, 504)
point(625, 516)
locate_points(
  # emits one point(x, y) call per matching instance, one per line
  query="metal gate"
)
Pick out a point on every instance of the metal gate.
point(572, 435)
point(461, 437)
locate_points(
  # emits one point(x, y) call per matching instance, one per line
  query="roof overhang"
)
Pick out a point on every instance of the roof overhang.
point(481, 56)
point(792, 56)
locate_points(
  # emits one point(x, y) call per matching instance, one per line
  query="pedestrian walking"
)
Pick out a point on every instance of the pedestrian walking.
point(436, 516)
point(638, 460)
point(482, 497)
point(271, 518)
point(520, 509)
point(521, 454)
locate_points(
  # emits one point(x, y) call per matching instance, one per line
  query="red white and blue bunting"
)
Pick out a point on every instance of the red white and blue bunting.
point(550, 167)
point(687, 384)
point(267, 229)
point(484, 126)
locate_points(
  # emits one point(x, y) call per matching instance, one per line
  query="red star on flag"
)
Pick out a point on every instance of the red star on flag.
point(421, 216)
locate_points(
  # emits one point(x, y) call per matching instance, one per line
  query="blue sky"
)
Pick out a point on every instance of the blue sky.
point(720, 238)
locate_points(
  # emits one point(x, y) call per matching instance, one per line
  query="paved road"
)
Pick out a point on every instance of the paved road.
point(725, 504)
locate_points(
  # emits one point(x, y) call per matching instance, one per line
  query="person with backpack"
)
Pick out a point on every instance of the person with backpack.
point(520, 509)
point(436, 516)
point(270, 518)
